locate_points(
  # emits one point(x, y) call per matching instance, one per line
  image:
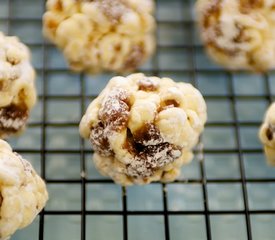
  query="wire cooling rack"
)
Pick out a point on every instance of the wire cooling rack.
point(227, 192)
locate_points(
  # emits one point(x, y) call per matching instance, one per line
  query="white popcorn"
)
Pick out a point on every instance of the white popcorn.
point(143, 128)
point(267, 134)
point(101, 35)
point(17, 89)
point(23, 192)
point(239, 34)
point(175, 127)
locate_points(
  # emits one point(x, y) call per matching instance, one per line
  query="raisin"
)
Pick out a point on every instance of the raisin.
point(99, 140)
point(115, 110)
point(13, 118)
point(148, 135)
point(269, 134)
point(151, 158)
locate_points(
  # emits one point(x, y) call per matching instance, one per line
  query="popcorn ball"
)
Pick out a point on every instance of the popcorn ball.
point(267, 134)
point(17, 89)
point(239, 34)
point(101, 35)
point(143, 129)
point(23, 193)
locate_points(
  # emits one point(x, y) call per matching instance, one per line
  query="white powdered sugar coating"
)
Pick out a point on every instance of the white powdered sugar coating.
point(143, 128)
point(147, 84)
point(150, 136)
point(23, 192)
point(114, 115)
point(15, 124)
point(100, 142)
point(239, 34)
point(12, 119)
point(152, 141)
point(17, 79)
point(115, 111)
point(113, 9)
point(17, 75)
point(83, 30)
point(9, 123)
point(146, 162)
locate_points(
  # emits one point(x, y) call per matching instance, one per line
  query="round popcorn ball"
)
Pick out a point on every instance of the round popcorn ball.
point(23, 193)
point(239, 34)
point(17, 89)
point(143, 129)
point(101, 35)
point(267, 134)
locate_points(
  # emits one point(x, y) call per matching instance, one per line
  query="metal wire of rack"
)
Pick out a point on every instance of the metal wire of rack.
point(227, 192)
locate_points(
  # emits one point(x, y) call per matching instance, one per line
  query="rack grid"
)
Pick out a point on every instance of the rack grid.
point(227, 192)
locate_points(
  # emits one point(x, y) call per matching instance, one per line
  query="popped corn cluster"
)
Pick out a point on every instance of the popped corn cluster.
point(98, 35)
point(267, 134)
point(143, 128)
point(239, 34)
point(23, 193)
point(17, 89)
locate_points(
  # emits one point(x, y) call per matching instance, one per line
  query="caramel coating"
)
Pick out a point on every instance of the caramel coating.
point(101, 35)
point(143, 129)
point(23, 193)
point(267, 134)
point(239, 34)
point(17, 89)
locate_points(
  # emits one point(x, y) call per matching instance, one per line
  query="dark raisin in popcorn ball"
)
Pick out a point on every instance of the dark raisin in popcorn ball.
point(17, 90)
point(143, 129)
point(239, 34)
point(267, 134)
point(102, 35)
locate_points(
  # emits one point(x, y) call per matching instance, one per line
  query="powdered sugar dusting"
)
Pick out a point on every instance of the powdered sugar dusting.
point(17, 78)
point(113, 116)
point(147, 84)
point(152, 144)
point(113, 9)
point(15, 124)
point(115, 109)
point(147, 147)
point(100, 142)
point(11, 119)
point(152, 158)
point(148, 135)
